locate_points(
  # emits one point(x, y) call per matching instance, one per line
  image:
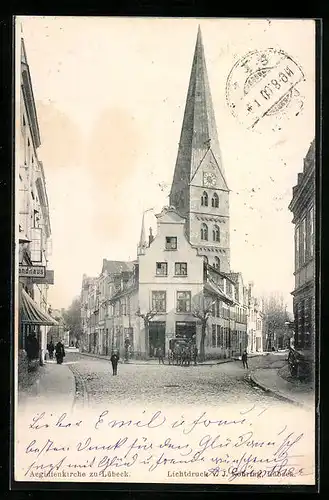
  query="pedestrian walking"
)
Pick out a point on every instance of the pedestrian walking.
point(51, 348)
point(59, 352)
point(114, 361)
point(160, 355)
point(245, 360)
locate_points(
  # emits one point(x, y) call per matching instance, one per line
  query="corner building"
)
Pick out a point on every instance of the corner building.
point(184, 270)
point(34, 230)
point(302, 206)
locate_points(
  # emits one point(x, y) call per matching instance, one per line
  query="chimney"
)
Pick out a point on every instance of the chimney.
point(151, 237)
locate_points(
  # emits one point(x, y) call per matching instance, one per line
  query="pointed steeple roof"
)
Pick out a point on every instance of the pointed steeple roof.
point(199, 132)
point(142, 239)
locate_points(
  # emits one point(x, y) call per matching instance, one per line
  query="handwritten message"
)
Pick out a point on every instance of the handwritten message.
point(157, 445)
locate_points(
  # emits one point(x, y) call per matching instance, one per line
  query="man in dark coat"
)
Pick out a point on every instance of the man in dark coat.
point(160, 355)
point(59, 351)
point(245, 360)
point(114, 361)
point(51, 349)
point(32, 347)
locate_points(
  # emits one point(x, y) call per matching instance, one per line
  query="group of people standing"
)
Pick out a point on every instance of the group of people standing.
point(58, 349)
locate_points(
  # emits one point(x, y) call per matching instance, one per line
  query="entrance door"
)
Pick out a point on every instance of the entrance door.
point(157, 334)
point(185, 329)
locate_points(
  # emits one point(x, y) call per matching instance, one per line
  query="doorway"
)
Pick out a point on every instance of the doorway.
point(157, 334)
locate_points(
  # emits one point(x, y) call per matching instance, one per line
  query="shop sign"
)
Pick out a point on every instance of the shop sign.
point(32, 271)
point(49, 278)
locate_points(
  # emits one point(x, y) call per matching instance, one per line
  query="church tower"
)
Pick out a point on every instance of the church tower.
point(199, 190)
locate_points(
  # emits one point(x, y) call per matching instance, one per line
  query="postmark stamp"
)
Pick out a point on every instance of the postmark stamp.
point(263, 85)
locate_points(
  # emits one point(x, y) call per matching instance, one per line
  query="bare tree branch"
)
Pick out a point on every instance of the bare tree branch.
point(146, 316)
point(203, 309)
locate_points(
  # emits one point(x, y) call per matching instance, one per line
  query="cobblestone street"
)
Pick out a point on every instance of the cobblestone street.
point(225, 383)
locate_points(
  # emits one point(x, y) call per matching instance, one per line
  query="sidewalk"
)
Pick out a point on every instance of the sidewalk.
point(298, 393)
point(53, 385)
point(208, 362)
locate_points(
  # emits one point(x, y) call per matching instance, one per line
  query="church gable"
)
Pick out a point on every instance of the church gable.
point(170, 215)
point(209, 174)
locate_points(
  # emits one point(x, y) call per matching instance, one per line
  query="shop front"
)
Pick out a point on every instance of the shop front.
point(31, 341)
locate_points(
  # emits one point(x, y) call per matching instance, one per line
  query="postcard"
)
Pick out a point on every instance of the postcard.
point(165, 230)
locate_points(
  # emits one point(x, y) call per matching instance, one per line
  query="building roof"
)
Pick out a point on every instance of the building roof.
point(199, 132)
point(234, 277)
point(29, 97)
point(213, 288)
point(116, 266)
point(304, 178)
point(129, 290)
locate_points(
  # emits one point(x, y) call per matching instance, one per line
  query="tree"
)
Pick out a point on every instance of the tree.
point(147, 319)
point(202, 310)
point(276, 319)
point(72, 318)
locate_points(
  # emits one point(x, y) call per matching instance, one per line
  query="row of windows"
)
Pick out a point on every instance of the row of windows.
point(304, 322)
point(222, 336)
point(183, 304)
point(304, 239)
point(171, 241)
point(159, 301)
point(162, 269)
point(204, 232)
point(214, 200)
point(221, 310)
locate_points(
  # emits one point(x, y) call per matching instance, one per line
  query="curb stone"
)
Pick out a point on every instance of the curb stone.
point(276, 393)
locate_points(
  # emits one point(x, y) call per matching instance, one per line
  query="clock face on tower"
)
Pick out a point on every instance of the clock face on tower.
point(209, 179)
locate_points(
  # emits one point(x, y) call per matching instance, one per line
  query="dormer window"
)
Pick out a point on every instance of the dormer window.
point(171, 243)
point(204, 199)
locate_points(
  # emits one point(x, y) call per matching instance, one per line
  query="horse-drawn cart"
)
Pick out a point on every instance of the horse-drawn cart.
point(181, 352)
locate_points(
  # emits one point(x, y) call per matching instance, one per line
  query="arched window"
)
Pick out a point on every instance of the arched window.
point(205, 259)
point(204, 199)
point(204, 232)
point(217, 263)
point(215, 233)
point(215, 201)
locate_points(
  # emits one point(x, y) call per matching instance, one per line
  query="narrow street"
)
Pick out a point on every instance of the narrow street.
point(225, 383)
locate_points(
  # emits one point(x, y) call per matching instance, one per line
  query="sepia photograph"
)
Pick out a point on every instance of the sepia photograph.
point(165, 286)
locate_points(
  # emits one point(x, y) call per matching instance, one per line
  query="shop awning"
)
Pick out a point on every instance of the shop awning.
point(31, 312)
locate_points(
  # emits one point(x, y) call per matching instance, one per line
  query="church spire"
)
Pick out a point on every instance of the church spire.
point(199, 190)
point(142, 239)
point(199, 132)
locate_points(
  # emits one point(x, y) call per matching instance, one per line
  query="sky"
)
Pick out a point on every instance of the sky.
point(110, 96)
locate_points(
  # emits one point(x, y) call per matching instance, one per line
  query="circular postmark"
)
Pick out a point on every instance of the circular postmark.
point(263, 86)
